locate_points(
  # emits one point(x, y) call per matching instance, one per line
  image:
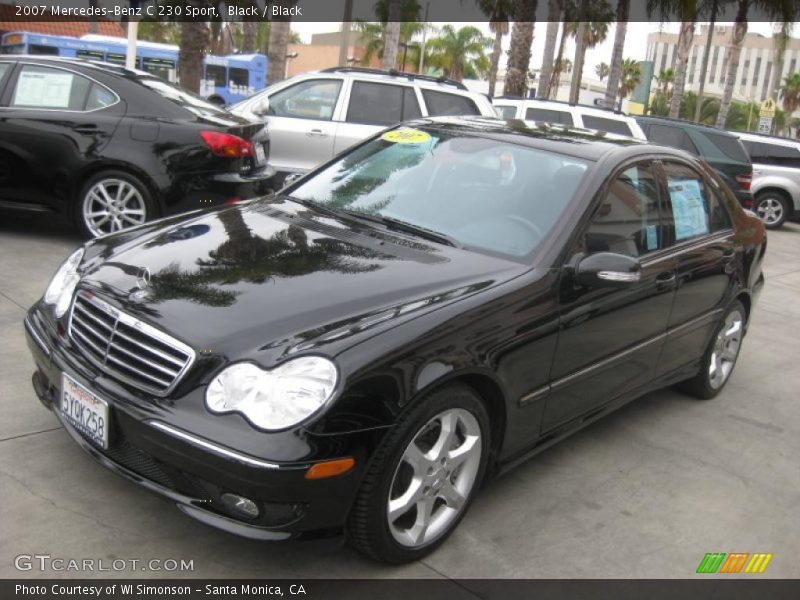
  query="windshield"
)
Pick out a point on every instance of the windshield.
point(182, 98)
point(484, 194)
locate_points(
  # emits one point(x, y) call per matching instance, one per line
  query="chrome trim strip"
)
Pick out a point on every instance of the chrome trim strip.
point(36, 337)
point(533, 396)
point(686, 246)
point(212, 447)
point(610, 359)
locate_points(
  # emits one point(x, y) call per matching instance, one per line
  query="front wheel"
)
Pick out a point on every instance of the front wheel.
point(423, 477)
point(112, 201)
point(720, 356)
point(772, 208)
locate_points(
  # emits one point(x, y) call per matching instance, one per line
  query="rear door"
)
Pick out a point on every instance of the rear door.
point(54, 121)
point(372, 106)
point(301, 123)
point(701, 240)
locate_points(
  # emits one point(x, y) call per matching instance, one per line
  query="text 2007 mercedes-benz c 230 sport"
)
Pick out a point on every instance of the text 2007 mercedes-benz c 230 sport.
point(361, 350)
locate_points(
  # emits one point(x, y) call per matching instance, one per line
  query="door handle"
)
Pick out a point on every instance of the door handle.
point(316, 133)
point(665, 280)
point(85, 128)
point(728, 254)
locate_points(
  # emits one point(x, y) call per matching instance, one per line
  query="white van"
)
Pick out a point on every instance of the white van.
point(571, 115)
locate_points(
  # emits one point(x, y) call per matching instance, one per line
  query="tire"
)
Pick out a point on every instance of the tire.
point(445, 487)
point(127, 203)
point(772, 208)
point(722, 352)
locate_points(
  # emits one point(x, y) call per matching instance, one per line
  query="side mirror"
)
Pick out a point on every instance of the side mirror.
point(608, 270)
point(291, 178)
point(261, 107)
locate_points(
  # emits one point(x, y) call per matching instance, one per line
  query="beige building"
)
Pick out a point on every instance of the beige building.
point(323, 52)
point(754, 72)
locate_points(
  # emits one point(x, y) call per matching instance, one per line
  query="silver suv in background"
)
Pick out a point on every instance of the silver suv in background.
point(776, 177)
point(571, 115)
point(313, 116)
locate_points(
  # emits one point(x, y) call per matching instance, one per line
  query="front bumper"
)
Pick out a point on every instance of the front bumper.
point(193, 471)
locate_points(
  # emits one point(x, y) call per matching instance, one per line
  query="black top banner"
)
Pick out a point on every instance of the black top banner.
point(376, 10)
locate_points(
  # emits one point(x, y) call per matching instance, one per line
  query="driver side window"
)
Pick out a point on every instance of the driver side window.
point(627, 221)
point(315, 99)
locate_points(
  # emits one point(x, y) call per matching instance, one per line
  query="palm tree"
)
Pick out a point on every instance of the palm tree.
point(593, 31)
point(456, 50)
point(392, 34)
point(790, 93)
point(194, 40)
point(709, 108)
point(615, 74)
point(519, 54)
point(555, 77)
point(372, 36)
point(545, 73)
point(665, 78)
point(780, 39)
point(738, 34)
point(279, 33)
point(631, 77)
point(602, 71)
point(498, 12)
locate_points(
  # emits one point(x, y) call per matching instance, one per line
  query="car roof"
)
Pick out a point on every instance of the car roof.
point(752, 136)
point(110, 68)
point(578, 142)
point(565, 106)
point(394, 76)
point(683, 123)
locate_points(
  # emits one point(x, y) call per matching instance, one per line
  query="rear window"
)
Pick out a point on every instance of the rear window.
point(729, 145)
point(609, 125)
point(182, 98)
point(773, 154)
point(4, 67)
point(670, 136)
point(549, 116)
point(442, 104)
point(506, 112)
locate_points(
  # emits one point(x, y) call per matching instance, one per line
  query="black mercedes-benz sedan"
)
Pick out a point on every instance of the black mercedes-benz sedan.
point(361, 350)
point(112, 148)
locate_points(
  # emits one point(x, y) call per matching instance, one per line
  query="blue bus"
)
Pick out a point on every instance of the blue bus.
point(226, 79)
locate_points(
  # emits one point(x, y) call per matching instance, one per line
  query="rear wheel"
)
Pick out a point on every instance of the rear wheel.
point(423, 477)
point(772, 208)
point(720, 356)
point(112, 201)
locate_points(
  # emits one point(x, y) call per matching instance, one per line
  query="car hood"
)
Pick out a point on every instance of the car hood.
point(269, 278)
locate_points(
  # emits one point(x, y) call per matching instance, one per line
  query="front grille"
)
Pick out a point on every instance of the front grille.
point(126, 348)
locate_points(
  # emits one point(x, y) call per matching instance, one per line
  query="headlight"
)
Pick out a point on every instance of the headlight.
point(274, 399)
point(59, 292)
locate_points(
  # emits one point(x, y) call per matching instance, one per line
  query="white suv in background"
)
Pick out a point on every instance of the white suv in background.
point(313, 116)
point(571, 115)
point(776, 177)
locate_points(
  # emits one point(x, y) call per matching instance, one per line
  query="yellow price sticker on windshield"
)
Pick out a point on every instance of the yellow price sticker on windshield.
point(406, 136)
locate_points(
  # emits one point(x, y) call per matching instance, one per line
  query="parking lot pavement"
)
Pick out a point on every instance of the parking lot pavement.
point(645, 492)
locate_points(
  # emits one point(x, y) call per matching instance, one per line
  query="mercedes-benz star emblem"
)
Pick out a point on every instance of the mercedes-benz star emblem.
point(143, 278)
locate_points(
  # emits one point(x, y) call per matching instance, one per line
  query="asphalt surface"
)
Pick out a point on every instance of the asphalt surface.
point(644, 493)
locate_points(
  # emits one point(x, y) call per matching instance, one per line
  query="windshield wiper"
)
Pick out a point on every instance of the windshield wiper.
point(388, 222)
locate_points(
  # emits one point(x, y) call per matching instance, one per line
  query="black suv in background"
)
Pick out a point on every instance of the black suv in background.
point(721, 150)
point(113, 148)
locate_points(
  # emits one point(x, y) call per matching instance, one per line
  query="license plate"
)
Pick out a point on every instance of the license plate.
point(261, 156)
point(84, 410)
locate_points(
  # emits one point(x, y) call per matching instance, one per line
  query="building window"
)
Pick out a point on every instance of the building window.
point(756, 72)
point(767, 74)
point(692, 66)
point(792, 65)
point(745, 70)
point(663, 57)
point(714, 58)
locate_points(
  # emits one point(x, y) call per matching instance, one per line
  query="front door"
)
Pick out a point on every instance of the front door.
point(610, 339)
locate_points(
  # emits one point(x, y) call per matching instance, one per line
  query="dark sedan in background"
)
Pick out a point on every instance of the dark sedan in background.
point(113, 148)
point(424, 311)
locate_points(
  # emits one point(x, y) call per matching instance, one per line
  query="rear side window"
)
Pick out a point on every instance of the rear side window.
point(44, 87)
point(4, 68)
point(774, 154)
point(609, 125)
point(382, 104)
point(443, 104)
point(99, 97)
point(729, 145)
point(506, 112)
point(695, 208)
point(547, 115)
point(671, 136)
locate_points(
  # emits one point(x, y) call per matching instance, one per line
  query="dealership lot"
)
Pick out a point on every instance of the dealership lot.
point(646, 492)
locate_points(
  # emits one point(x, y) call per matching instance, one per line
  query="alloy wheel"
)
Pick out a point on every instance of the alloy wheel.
point(770, 210)
point(726, 349)
point(434, 478)
point(113, 205)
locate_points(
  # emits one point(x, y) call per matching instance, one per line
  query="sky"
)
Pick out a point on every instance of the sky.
point(635, 40)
